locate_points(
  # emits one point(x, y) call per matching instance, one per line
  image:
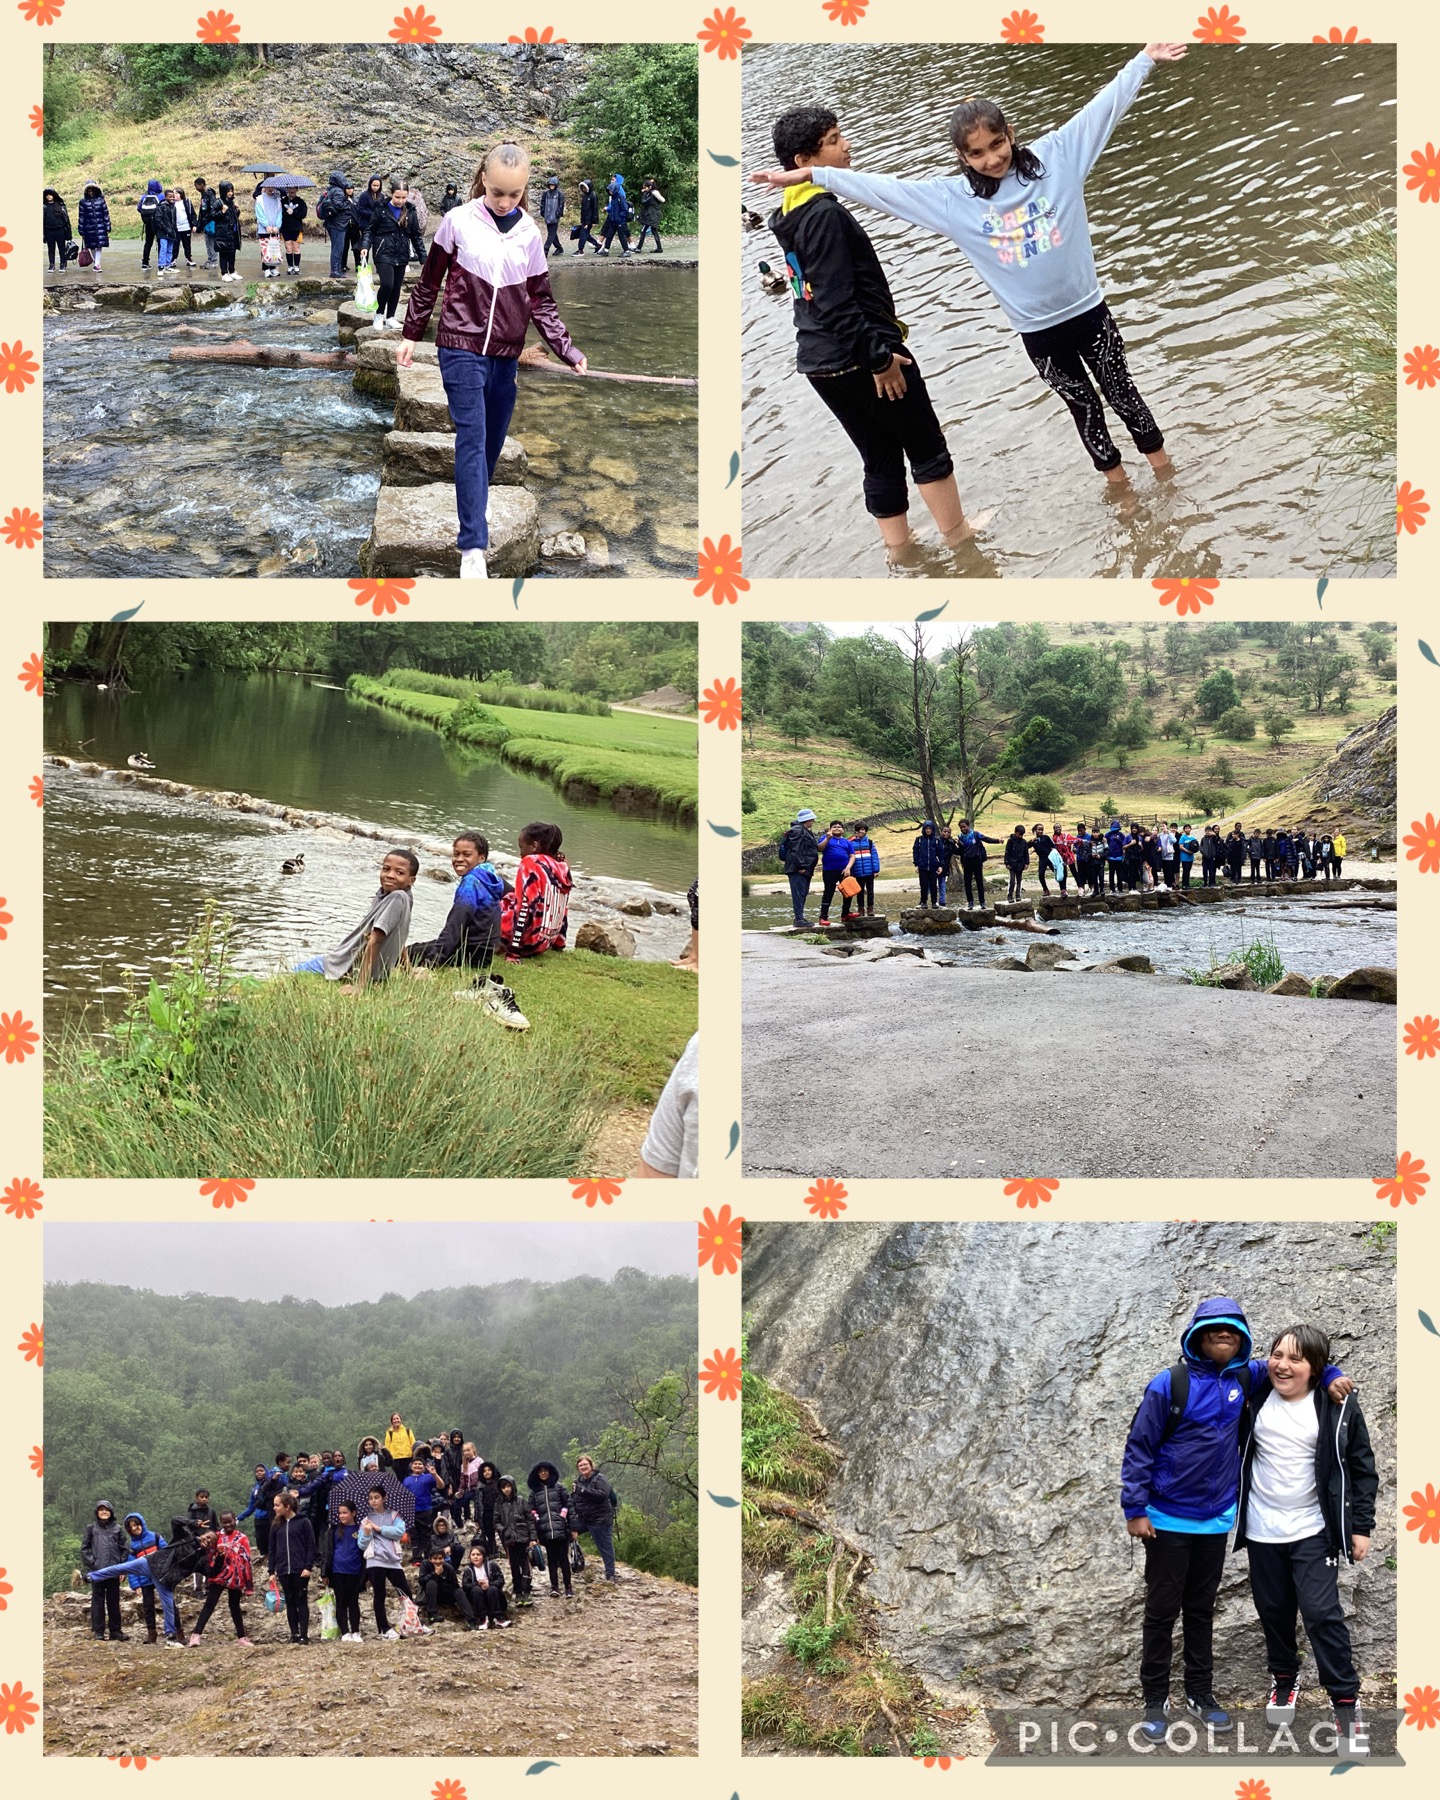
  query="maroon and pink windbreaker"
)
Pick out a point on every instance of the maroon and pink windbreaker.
point(496, 282)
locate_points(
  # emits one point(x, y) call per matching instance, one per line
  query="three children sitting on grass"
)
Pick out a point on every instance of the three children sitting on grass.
point(522, 920)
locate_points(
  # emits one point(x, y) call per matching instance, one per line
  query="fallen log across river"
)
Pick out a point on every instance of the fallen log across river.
point(269, 356)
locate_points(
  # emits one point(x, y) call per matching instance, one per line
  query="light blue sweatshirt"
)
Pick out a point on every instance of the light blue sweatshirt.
point(1030, 243)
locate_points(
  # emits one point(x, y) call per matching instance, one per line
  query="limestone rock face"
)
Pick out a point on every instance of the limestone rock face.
point(605, 940)
point(981, 1377)
point(1366, 984)
point(415, 530)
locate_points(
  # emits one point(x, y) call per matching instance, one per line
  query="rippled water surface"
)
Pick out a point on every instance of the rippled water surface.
point(1218, 211)
point(161, 469)
point(128, 871)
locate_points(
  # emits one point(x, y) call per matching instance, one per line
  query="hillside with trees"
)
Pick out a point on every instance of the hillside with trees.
point(1177, 719)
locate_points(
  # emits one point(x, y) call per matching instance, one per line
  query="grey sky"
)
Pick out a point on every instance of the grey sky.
point(339, 1263)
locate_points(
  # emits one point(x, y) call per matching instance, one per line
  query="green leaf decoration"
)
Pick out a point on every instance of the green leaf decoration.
point(735, 1139)
point(934, 613)
point(725, 162)
point(722, 1499)
point(723, 830)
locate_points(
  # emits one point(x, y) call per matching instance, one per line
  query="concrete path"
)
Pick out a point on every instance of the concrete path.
point(907, 1068)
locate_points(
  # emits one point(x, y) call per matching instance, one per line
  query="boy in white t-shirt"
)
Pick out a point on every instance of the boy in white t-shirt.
point(1307, 1502)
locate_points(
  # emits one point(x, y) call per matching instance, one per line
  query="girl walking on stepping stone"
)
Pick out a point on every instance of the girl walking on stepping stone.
point(489, 256)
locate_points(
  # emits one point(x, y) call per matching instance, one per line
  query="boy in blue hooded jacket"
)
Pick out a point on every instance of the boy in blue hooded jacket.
point(1179, 1484)
point(929, 858)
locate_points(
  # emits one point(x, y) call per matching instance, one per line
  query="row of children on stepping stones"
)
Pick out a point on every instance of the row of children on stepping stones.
point(301, 1525)
point(1135, 859)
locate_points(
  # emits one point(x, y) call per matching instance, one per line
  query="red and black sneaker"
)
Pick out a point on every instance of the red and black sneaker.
point(1284, 1697)
point(1352, 1735)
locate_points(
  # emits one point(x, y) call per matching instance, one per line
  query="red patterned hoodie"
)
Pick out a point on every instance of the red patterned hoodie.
point(230, 1563)
point(533, 918)
point(496, 283)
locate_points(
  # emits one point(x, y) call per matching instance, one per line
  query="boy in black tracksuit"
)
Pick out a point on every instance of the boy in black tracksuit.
point(104, 1542)
point(849, 343)
point(514, 1533)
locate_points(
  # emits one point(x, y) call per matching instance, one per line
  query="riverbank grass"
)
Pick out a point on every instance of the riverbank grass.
point(400, 1082)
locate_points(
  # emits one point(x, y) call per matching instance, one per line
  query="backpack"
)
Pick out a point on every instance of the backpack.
point(148, 205)
point(1180, 1396)
point(577, 1556)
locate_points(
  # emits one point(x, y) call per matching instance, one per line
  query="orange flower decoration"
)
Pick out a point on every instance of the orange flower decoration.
point(32, 1345)
point(1422, 844)
point(5, 1590)
point(383, 594)
point(1422, 366)
point(1411, 507)
point(415, 26)
point(1188, 593)
point(22, 528)
point(32, 674)
point(18, 366)
point(1336, 36)
point(129, 1761)
point(17, 1703)
point(720, 705)
point(1030, 1193)
point(448, 1790)
point(5, 248)
point(1422, 1708)
point(545, 36)
point(226, 1193)
point(720, 1244)
point(1408, 1183)
point(43, 12)
point(720, 1374)
point(720, 570)
point(826, 1198)
point(934, 1762)
point(37, 120)
point(1221, 27)
point(18, 1037)
point(1422, 1037)
point(37, 1459)
point(216, 28)
point(37, 789)
point(1253, 1790)
point(22, 1198)
point(724, 33)
point(1022, 28)
point(845, 12)
point(1423, 172)
point(5, 919)
point(1424, 1515)
point(594, 1189)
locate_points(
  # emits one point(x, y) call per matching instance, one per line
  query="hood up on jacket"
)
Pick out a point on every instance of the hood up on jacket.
point(92, 191)
point(111, 1510)
point(929, 826)
point(146, 1537)
point(1220, 1311)
point(152, 186)
point(534, 1476)
point(337, 178)
point(507, 1481)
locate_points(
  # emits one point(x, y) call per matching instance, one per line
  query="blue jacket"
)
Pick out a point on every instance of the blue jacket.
point(1115, 844)
point(93, 219)
point(971, 846)
point(867, 857)
point(481, 887)
point(148, 1540)
point(423, 1487)
point(1195, 1473)
point(927, 854)
point(262, 1495)
point(835, 854)
point(1188, 846)
point(342, 1551)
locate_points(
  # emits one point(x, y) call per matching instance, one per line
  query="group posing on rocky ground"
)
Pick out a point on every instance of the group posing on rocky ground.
point(1277, 1450)
point(1130, 858)
point(1016, 211)
point(405, 1502)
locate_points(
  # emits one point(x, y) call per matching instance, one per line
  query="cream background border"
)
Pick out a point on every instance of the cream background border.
point(26, 600)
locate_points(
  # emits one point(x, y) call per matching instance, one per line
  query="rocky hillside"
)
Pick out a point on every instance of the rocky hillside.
point(628, 1656)
point(980, 1380)
point(367, 109)
point(1353, 791)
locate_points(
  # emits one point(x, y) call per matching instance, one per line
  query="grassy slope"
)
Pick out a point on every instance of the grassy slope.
point(828, 774)
point(649, 756)
point(403, 1081)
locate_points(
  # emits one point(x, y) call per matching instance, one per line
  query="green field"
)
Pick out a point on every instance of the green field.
point(633, 759)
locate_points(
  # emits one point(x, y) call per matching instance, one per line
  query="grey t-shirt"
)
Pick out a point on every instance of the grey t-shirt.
point(672, 1142)
point(389, 913)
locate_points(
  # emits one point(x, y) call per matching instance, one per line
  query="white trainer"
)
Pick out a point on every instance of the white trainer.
point(472, 566)
point(500, 1001)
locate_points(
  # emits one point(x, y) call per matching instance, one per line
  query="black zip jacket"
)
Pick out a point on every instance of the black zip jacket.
point(844, 314)
point(512, 1521)
point(549, 1508)
point(589, 207)
point(1346, 1481)
point(227, 225)
point(799, 850)
point(390, 240)
point(292, 1546)
point(293, 214)
point(57, 222)
point(592, 1503)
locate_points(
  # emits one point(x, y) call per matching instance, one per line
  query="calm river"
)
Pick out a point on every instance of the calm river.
point(1218, 212)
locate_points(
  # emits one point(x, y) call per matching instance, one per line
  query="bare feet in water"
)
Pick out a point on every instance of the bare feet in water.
point(1160, 462)
point(967, 529)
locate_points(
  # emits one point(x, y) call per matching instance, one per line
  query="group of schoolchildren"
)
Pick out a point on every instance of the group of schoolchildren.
point(405, 1502)
point(489, 916)
point(619, 215)
point(1130, 859)
point(1277, 1450)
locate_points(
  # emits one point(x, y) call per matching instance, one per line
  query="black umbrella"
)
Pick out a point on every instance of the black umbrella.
point(289, 181)
point(263, 169)
point(355, 1487)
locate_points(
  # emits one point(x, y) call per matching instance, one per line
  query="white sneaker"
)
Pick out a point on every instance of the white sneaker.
point(472, 566)
point(500, 1001)
point(392, 1636)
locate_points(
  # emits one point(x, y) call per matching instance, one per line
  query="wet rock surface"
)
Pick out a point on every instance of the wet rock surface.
point(415, 530)
point(981, 1378)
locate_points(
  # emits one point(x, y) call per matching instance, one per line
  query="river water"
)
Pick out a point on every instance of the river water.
point(1215, 212)
point(128, 871)
point(162, 470)
point(1313, 940)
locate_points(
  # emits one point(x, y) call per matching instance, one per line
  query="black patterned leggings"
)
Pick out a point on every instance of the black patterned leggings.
point(1062, 354)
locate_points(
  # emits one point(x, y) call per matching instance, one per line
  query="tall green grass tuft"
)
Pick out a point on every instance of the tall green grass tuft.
point(499, 693)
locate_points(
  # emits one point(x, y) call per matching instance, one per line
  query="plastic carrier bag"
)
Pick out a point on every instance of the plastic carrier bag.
point(329, 1630)
point(411, 1624)
point(367, 294)
point(272, 1595)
